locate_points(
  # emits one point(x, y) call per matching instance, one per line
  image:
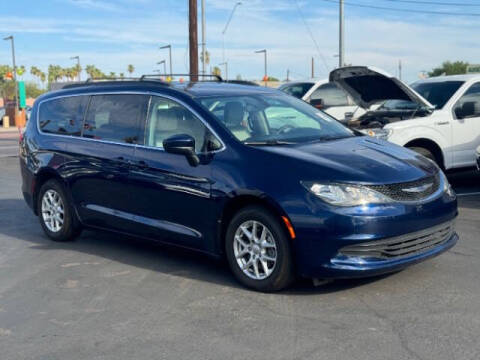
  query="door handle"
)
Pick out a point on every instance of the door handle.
point(442, 122)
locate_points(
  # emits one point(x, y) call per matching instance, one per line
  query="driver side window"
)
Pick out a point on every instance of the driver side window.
point(167, 118)
point(469, 104)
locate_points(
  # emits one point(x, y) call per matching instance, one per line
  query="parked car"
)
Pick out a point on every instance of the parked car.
point(243, 172)
point(296, 88)
point(2, 114)
point(332, 99)
point(438, 117)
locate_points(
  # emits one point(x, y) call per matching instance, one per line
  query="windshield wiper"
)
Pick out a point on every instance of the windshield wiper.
point(268, 143)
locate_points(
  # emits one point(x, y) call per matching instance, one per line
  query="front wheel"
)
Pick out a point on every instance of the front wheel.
point(258, 250)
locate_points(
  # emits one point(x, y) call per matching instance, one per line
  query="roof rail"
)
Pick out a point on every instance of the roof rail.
point(147, 76)
point(106, 78)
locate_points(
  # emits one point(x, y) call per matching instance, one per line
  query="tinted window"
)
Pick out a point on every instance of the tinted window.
point(469, 104)
point(331, 95)
point(437, 93)
point(63, 115)
point(116, 118)
point(297, 90)
point(167, 118)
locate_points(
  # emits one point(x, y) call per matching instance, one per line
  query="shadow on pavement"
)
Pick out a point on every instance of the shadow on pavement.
point(19, 222)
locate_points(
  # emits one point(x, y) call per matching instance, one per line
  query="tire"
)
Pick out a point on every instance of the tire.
point(425, 152)
point(279, 273)
point(65, 227)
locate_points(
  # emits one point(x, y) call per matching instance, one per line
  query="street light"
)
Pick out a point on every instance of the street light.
point(17, 102)
point(78, 64)
point(164, 66)
point(238, 3)
point(225, 63)
point(264, 51)
point(169, 47)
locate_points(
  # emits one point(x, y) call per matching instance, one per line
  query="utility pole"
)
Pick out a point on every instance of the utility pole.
point(288, 75)
point(264, 51)
point(400, 69)
point(341, 44)
point(193, 39)
point(78, 65)
point(203, 38)
point(313, 68)
point(17, 99)
point(169, 47)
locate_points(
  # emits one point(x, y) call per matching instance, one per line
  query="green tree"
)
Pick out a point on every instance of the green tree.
point(32, 90)
point(216, 71)
point(239, 77)
point(449, 68)
point(7, 86)
point(130, 69)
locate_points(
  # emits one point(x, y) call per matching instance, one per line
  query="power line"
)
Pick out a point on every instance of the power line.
point(433, 3)
point(312, 37)
point(404, 10)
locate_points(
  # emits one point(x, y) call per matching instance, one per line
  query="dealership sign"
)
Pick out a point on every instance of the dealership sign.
point(473, 69)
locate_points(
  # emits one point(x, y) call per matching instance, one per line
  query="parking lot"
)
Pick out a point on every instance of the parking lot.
point(107, 296)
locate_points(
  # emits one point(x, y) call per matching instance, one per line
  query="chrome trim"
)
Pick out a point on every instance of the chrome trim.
point(148, 93)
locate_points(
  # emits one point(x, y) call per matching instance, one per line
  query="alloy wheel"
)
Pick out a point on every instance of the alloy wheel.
point(255, 250)
point(52, 210)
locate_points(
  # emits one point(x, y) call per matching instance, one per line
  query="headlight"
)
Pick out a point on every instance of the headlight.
point(345, 194)
point(447, 188)
point(378, 133)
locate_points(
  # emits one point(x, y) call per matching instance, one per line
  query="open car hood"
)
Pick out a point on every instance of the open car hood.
point(368, 85)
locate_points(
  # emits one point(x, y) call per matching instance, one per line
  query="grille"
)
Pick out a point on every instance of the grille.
point(410, 191)
point(402, 246)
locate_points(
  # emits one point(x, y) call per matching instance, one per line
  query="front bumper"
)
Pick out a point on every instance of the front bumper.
point(375, 258)
point(326, 231)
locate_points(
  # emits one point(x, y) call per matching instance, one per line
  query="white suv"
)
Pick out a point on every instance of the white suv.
point(438, 117)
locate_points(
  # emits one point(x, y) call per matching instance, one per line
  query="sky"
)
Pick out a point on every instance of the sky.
point(114, 33)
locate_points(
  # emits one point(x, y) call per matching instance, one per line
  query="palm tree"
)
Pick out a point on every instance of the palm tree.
point(130, 69)
point(122, 75)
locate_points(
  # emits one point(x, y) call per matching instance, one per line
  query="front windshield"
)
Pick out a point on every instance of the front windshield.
point(273, 119)
point(437, 93)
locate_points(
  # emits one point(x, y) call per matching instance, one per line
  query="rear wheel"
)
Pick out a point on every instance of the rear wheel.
point(258, 250)
point(56, 213)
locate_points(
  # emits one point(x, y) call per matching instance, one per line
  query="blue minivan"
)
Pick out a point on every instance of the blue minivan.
point(251, 174)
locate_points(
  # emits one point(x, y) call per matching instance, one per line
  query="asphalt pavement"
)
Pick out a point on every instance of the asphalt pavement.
point(107, 296)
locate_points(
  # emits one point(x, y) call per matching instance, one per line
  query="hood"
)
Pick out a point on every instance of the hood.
point(368, 85)
point(359, 160)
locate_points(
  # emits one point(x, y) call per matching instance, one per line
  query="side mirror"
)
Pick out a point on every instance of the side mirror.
point(182, 144)
point(318, 103)
point(466, 110)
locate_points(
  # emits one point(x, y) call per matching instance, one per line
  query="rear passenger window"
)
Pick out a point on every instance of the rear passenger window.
point(63, 116)
point(116, 118)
